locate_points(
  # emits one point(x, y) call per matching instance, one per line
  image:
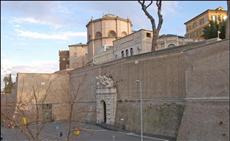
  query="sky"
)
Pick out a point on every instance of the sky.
point(33, 32)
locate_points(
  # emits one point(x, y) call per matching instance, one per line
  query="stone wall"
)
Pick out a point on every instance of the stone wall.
point(166, 80)
point(77, 55)
point(163, 91)
point(8, 103)
point(206, 115)
point(185, 91)
point(49, 89)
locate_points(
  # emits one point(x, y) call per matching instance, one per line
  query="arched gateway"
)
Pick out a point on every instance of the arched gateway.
point(106, 97)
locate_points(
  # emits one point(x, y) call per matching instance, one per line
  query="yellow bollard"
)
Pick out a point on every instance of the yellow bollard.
point(24, 121)
point(76, 132)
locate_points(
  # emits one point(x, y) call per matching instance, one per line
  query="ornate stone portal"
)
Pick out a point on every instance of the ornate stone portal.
point(106, 97)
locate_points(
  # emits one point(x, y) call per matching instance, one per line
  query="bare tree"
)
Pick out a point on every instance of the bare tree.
point(156, 29)
point(73, 99)
point(25, 107)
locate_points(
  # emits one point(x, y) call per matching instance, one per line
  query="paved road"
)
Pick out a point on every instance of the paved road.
point(89, 133)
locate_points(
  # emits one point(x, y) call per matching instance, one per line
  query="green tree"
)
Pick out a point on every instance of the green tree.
point(211, 31)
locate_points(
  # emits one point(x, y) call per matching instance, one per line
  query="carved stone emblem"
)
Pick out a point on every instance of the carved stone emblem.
point(105, 81)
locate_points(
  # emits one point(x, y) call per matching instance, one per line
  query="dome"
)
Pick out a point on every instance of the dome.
point(109, 15)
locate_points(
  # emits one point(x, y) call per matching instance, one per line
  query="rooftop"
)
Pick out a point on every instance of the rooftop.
point(170, 35)
point(109, 17)
point(134, 32)
point(78, 45)
point(63, 51)
point(217, 9)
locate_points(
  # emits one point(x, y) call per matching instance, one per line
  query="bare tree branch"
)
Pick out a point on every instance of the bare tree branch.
point(144, 8)
point(72, 101)
point(155, 29)
point(34, 98)
point(160, 17)
point(149, 4)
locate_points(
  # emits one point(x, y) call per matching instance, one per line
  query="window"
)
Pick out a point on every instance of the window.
point(46, 106)
point(131, 51)
point(127, 52)
point(194, 24)
point(213, 18)
point(122, 53)
point(219, 18)
point(112, 34)
point(63, 59)
point(148, 34)
point(98, 35)
point(201, 21)
point(123, 34)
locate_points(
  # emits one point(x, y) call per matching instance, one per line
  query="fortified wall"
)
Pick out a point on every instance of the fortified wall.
point(163, 91)
point(51, 91)
point(185, 92)
point(206, 113)
point(177, 84)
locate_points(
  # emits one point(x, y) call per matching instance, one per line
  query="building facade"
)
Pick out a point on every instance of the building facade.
point(170, 40)
point(135, 43)
point(78, 55)
point(102, 32)
point(138, 42)
point(111, 37)
point(63, 59)
point(105, 56)
point(196, 25)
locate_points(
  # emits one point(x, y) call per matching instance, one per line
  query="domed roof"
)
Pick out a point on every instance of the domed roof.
point(109, 15)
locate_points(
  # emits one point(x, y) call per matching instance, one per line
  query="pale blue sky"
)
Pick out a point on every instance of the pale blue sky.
point(33, 32)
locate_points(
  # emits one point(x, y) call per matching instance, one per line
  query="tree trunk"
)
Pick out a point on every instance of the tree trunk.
point(154, 40)
point(70, 121)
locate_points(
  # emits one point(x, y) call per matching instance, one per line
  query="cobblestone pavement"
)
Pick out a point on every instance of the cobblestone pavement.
point(89, 132)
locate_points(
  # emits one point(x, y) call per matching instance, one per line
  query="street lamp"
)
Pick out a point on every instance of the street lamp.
point(141, 111)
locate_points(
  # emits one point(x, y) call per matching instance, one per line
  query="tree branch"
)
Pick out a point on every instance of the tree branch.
point(150, 17)
point(160, 17)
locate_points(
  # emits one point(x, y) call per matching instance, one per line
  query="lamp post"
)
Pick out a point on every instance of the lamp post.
point(141, 111)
